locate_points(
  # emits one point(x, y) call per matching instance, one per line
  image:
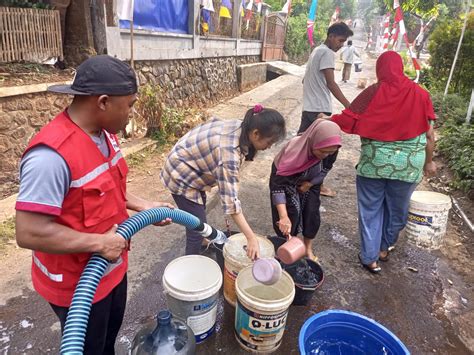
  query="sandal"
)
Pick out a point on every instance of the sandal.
point(372, 270)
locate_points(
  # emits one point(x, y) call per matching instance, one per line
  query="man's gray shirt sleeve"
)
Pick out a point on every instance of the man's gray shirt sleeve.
point(44, 178)
point(327, 60)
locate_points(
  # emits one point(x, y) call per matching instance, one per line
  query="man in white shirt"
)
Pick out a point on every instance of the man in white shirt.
point(319, 82)
point(347, 56)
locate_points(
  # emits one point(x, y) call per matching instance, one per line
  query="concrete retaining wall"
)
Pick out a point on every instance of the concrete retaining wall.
point(185, 83)
point(251, 75)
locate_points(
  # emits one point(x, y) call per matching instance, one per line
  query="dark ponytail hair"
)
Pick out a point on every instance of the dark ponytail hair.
point(268, 122)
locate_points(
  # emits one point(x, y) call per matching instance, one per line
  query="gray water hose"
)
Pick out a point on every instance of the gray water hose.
point(74, 334)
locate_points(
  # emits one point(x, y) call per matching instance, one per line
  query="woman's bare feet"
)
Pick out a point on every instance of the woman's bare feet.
point(309, 249)
point(326, 191)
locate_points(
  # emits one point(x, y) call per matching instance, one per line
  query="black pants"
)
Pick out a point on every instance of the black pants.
point(307, 118)
point(105, 321)
point(303, 212)
point(193, 238)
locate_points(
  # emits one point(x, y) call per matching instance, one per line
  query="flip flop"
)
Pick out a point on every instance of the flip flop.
point(374, 270)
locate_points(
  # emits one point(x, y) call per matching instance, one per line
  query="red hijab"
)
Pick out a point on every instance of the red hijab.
point(394, 109)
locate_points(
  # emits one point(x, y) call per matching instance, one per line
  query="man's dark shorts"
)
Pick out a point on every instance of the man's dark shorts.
point(307, 118)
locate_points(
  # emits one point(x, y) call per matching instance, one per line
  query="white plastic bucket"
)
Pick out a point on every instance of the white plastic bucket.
point(235, 259)
point(191, 284)
point(261, 311)
point(427, 218)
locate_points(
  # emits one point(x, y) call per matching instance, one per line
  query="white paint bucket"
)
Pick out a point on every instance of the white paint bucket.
point(427, 218)
point(191, 284)
point(261, 311)
point(235, 259)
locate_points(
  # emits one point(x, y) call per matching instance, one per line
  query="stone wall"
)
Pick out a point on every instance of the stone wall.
point(194, 82)
point(20, 118)
point(191, 83)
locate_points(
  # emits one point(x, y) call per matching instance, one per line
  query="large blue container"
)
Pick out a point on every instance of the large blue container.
point(342, 332)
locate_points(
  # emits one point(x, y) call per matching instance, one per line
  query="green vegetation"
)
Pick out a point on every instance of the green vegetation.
point(25, 4)
point(297, 45)
point(442, 47)
point(456, 142)
point(7, 231)
point(164, 124)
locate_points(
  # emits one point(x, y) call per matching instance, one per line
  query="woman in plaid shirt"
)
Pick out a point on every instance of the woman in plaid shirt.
point(210, 155)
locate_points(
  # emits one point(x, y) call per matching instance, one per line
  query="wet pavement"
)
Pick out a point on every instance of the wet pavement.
point(429, 310)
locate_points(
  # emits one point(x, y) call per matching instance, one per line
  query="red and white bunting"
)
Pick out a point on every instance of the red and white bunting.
point(386, 32)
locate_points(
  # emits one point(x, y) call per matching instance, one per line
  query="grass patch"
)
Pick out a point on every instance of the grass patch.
point(7, 231)
point(137, 159)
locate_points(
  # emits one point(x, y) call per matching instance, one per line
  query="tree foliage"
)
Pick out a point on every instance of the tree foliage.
point(442, 47)
point(296, 45)
point(425, 8)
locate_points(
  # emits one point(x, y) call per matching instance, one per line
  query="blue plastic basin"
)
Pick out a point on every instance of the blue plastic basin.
point(343, 332)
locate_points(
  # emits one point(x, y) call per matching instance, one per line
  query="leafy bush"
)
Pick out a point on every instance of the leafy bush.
point(452, 108)
point(150, 107)
point(456, 142)
point(442, 47)
point(296, 41)
point(457, 145)
point(165, 124)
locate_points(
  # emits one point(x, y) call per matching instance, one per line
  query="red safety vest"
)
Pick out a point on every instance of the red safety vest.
point(94, 203)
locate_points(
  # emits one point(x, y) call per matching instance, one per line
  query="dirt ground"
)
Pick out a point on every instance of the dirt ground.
point(431, 310)
point(16, 74)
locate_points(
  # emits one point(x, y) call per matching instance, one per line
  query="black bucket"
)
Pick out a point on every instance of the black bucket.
point(303, 292)
point(219, 250)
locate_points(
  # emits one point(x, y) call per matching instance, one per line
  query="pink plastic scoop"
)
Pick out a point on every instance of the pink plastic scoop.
point(266, 271)
point(291, 251)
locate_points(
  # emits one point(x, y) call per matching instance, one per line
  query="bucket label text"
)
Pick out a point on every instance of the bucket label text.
point(420, 220)
point(261, 332)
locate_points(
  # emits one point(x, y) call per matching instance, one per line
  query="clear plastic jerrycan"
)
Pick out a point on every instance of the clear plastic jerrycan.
point(167, 336)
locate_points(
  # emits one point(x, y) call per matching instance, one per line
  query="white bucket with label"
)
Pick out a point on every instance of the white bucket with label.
point(191, 284)
point(261, 311)
point(427, 218)
point(235, 259)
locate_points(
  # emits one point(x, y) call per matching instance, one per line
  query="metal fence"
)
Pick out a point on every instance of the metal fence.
point(29, 34)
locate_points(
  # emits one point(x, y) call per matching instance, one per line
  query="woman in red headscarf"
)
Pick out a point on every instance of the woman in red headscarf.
point(393, 118)
point(295, 181)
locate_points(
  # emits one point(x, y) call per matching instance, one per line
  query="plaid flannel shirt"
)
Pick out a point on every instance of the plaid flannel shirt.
point(207, 156)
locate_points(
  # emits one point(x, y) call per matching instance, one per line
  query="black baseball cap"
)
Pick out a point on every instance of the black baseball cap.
point(100, 75)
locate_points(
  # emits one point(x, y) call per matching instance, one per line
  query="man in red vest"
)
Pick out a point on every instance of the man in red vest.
point(73, 194)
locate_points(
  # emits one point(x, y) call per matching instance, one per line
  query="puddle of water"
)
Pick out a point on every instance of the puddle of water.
point(26, 324)
point(340, 238)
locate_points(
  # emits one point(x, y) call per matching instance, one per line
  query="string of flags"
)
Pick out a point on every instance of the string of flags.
point(386, 25)
point(390, 38)
point(402, 31)
point(310, 21)
point(247, 9)
point(335, 16)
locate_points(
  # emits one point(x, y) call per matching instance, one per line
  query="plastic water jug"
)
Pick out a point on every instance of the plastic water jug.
point(167, 336)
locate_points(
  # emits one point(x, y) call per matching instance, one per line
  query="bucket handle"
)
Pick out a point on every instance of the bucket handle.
point(307, 288)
